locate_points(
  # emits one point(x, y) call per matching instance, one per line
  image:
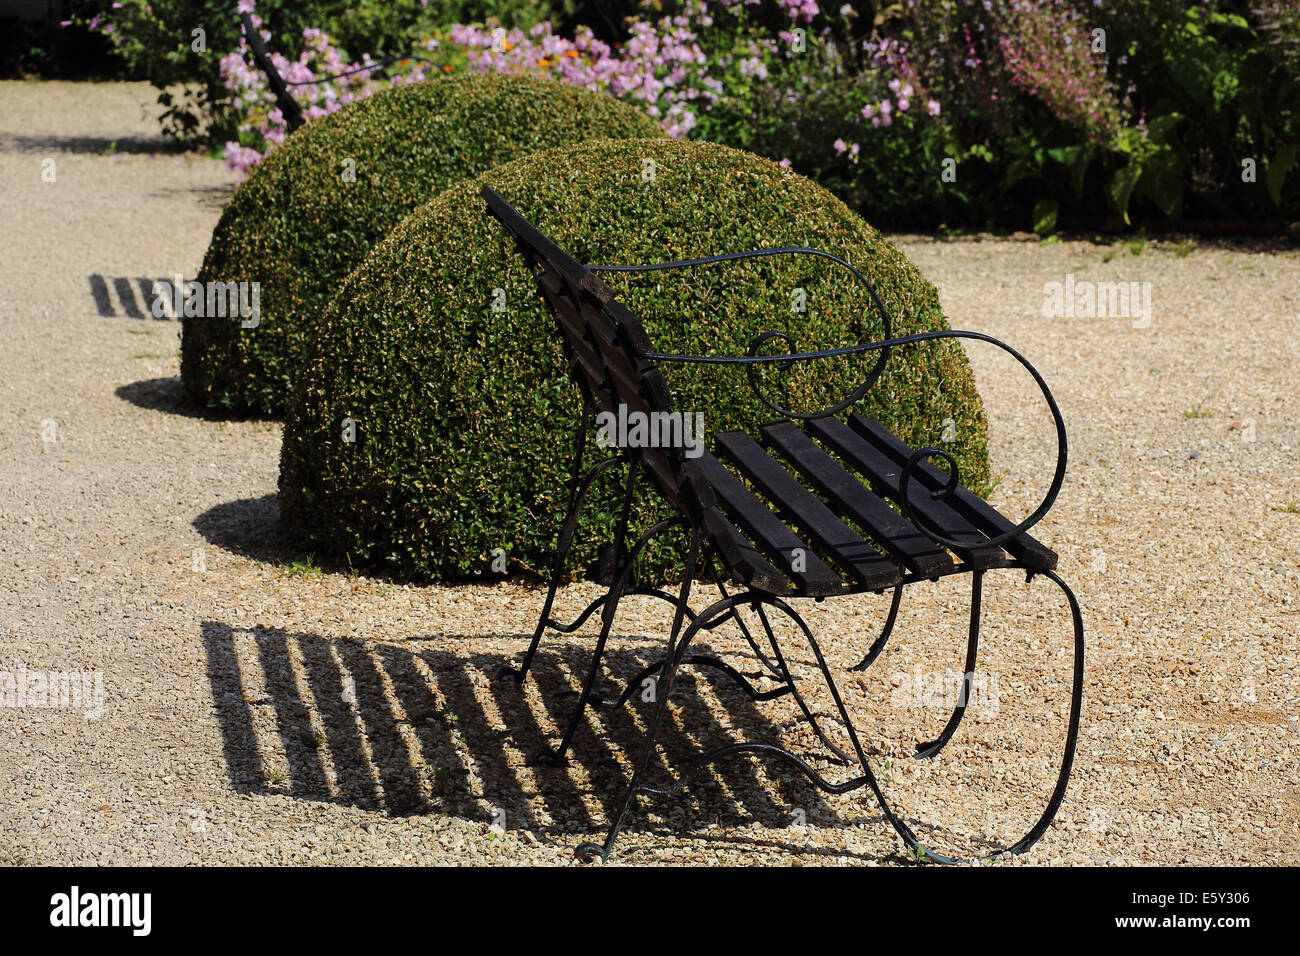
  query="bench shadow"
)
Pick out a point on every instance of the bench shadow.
point(429, 729)
point(126, 296)
point(103, 145)
point(208, 197)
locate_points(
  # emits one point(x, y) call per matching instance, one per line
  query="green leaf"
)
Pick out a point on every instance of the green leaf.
point(1121, 186)
point(1162, 179)
point(1278, 167)
point(1159, 127)
point(1045, 212)
point(1018, 169)
point(1076, 159)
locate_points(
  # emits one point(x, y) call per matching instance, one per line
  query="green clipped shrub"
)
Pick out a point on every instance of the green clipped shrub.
point(306, 216)
point(462, 416)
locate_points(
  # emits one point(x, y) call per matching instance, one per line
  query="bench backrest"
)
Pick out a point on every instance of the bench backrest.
point(606, 345)
point(289, 108)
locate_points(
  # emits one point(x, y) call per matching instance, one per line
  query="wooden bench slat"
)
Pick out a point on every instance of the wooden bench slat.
point(903, 542)
point(884, 474)
point(970, 505)
point(796, 504)
point(746, 565)
point(767, 531)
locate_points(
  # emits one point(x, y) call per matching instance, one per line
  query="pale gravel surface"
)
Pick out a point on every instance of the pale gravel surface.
point(229, 735)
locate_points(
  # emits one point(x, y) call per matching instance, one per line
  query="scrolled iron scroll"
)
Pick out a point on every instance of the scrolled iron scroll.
point(858, 393)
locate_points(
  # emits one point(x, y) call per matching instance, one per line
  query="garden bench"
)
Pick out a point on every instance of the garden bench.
point(289, 108)
point(284, 100)
point(800, 511)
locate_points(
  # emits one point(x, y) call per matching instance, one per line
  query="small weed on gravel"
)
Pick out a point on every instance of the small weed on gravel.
point(918, 854)
point(305, 566)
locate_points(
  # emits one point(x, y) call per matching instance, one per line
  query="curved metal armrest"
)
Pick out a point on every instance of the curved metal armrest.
point(886, 323)
point(1062, 448)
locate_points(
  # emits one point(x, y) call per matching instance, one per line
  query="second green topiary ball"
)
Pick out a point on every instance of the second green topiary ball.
point(433, 421)
point(309, 213)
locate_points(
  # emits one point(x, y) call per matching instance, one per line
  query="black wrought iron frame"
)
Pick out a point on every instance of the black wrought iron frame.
point(687, 624)
point(288, 106)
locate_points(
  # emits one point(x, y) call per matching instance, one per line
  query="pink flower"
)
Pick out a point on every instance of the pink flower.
point(933, 107)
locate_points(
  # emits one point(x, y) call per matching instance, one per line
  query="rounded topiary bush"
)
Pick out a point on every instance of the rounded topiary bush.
point(433, 419)
point(309, 213)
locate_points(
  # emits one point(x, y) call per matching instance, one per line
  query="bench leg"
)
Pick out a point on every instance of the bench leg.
point(622, 575)
point(1072, 731)
point(611, 600)
point(927, 750)
point(771, 666)
point(676, 655)
point(1067, 757)
point(579, 486)
point(790, 680)
point(663, 690)
point(709, 660)
point(879, 644)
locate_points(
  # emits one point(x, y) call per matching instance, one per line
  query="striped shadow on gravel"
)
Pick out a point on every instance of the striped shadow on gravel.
point(386, 728)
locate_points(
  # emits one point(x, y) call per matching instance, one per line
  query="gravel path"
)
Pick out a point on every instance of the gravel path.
point(258, 713)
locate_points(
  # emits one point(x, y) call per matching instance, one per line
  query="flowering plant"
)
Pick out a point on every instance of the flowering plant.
point(1042, 105)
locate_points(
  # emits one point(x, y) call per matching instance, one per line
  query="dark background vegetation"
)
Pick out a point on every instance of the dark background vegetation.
point(1204, 87)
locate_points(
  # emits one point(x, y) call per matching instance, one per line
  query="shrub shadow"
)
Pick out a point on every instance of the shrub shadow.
point(249, 527)
point(169, 395)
